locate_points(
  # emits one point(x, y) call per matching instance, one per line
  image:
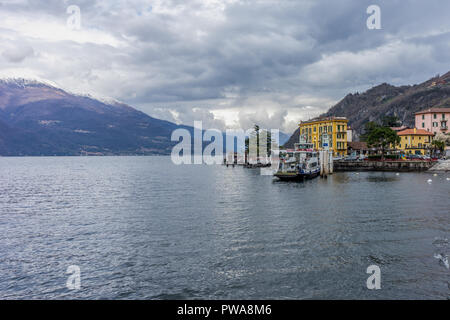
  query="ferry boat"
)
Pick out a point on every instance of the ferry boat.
point(298, 164)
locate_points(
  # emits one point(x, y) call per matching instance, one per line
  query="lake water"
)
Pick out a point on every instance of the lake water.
point(142, 228)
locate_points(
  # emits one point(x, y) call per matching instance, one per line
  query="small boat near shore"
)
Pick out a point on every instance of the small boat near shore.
point(298, 164)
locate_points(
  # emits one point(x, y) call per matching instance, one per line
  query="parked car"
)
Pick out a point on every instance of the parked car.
point(414, 157)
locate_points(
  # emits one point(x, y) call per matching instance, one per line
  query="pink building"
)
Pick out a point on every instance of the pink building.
point(433, 120)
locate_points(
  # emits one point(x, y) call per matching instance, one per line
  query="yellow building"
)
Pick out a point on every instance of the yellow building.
point(415, 141)
point(334, 127)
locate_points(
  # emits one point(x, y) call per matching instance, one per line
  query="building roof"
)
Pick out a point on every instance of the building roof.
point(324, 119)
point(434, 110)
point(399, 128)
point(415, 132)
point(357, 145)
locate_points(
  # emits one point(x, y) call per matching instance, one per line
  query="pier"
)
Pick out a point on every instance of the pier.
point(397, 166)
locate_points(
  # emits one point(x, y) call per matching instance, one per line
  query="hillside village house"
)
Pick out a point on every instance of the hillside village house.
point(398, 129)
point(334, 127)
point(433, 120)
point(415, 141)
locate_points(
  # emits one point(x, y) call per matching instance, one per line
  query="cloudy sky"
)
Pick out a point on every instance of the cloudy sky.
point(229, 63)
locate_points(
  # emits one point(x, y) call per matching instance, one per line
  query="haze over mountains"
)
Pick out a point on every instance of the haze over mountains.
point(386, 100)
point(37, 118)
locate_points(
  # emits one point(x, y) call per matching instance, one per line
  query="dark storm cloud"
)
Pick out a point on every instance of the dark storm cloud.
point(194, 57)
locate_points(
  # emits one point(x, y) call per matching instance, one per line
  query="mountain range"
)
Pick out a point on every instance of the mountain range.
point(37, 118)
point(388, 100)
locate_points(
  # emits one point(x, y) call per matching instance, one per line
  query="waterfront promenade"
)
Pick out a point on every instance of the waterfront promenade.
point(403, 166)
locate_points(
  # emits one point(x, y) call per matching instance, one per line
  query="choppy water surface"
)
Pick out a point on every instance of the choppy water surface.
point(142, 228)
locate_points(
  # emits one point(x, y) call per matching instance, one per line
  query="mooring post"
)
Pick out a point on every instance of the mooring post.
point(331, 162)
point(326, 167)
point(321, 163)
point(323, 158)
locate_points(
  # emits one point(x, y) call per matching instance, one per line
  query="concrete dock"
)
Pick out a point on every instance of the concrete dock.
point(443, 165)
point(397, 166)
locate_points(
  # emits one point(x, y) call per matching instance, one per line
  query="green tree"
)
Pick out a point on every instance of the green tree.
point(390, 121)
point(381, 138)
point(443, 137)
point(368, 128)
point(438, 145)
point(387, 121)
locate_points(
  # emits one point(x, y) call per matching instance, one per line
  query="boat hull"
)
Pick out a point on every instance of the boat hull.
point(296, 176)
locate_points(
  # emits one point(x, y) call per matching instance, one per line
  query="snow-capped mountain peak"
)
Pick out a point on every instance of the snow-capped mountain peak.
point(37, 82)
point(27, 82)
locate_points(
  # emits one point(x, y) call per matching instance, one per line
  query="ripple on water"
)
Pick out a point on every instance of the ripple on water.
point(139, 227)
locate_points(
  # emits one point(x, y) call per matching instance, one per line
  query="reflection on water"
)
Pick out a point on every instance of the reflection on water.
point(382, 177)
point(140, 227)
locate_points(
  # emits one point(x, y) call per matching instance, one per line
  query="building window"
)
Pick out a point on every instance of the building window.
point(330, 128)
point(435, 116)
point(423, 124)
point(423, 117)
point(443, 116)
